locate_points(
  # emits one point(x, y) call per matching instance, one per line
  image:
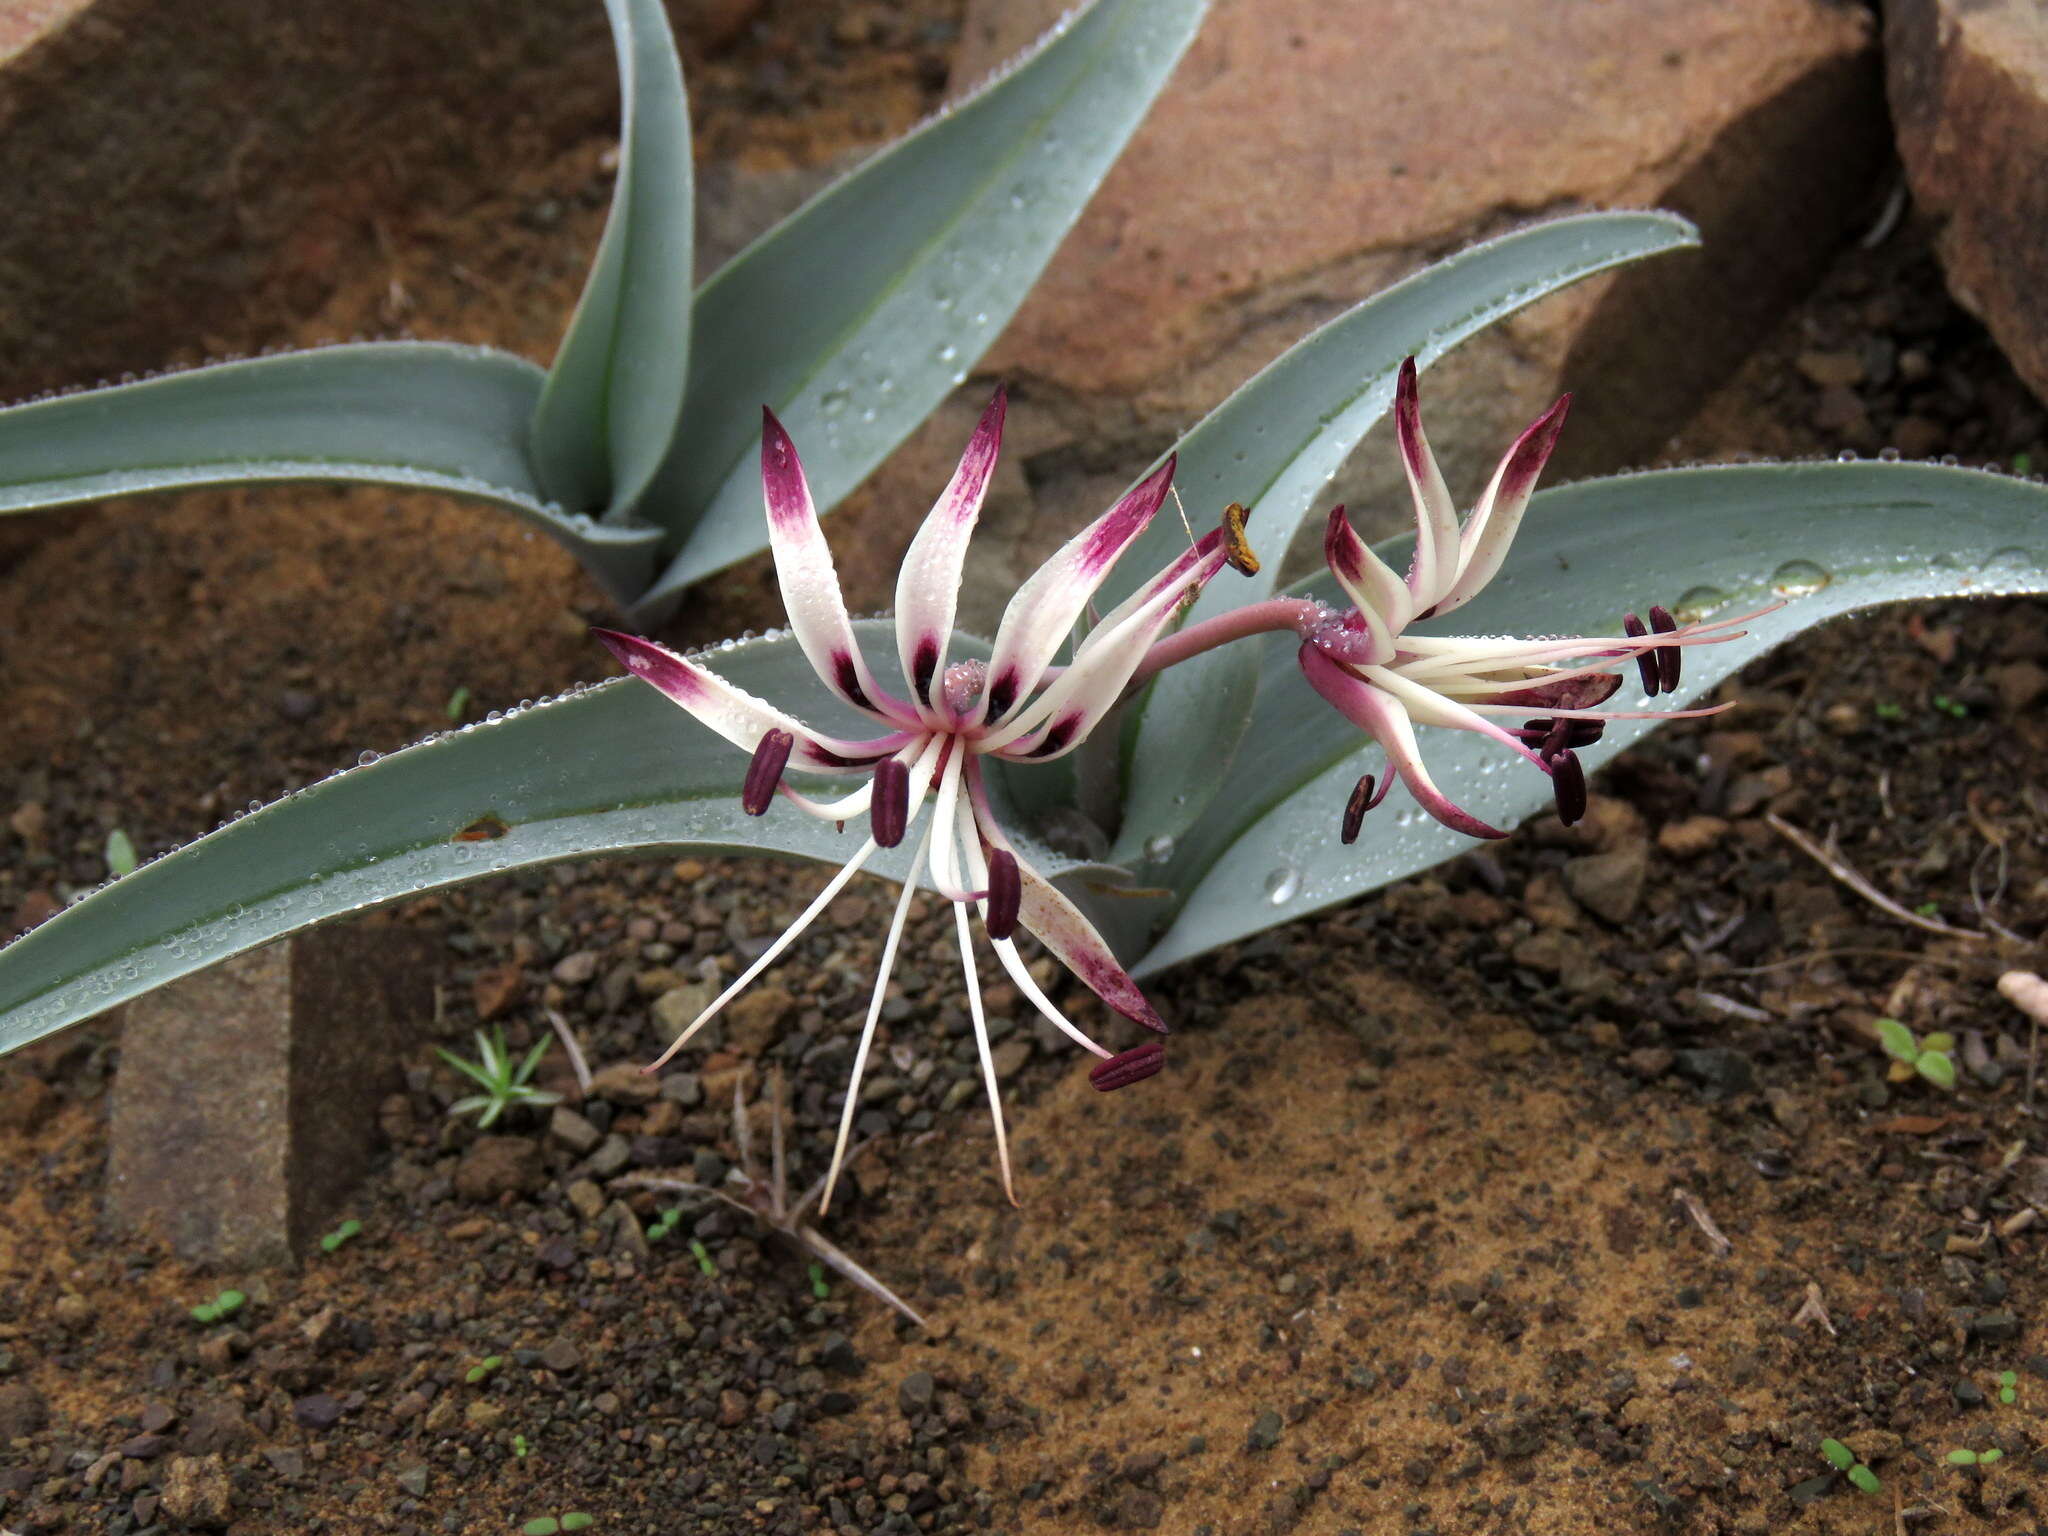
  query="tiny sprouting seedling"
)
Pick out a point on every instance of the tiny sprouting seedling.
point(483, 1369)
point(1968, 1458)
point(662, 1225)
point(548, 1525)
point(504, 1082)
point(1925, 1056)
point(1843, 1460)
point(766, 1200)
point(226, 1304)
point(341, 1234)
point(458, 701)
point(120, 854)
point(521, 1447)
point(1955, 709)
point(2008, 1386)
point(1885, 709)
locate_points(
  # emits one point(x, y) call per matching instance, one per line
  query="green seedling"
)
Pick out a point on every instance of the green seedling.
point(548, 1525)
point(504, 1082)
point(704, 1260)
point(1884, 709)
point(521, 1447)
point(662, 1225)
point(2008, 1386)
point(2023, 463)
point(1912, 1056)
point(1928, 908)
point(1955, 709)
point(458, 701)
point(226, 1304)
point(120, 855)
point(341, 1234)
point(482, 1370)
point(1964, 1458)
point(1843, 1460)
point(819, 1288)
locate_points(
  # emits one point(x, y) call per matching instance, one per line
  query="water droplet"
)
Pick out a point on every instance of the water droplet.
point(1282, 884)
point(947, 353)
point(366, 757)
point(1697, 603)
point(1160, 848)
point(834, 401)
point(2011, 558)
point(1799, 578)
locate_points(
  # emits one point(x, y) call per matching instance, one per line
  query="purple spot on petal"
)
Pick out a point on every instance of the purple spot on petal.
point(924, 663)
point(848, 679)
point(1002, 693)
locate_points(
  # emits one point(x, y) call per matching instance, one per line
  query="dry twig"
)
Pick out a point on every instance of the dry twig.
point(574, 1051)
point(2028, 993)
point(1831, 860)
point(1813, 1310)
point(1698, 1213)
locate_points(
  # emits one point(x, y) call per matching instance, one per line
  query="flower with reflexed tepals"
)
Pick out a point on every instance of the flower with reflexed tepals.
point(1018, 705)
point(1388, 680)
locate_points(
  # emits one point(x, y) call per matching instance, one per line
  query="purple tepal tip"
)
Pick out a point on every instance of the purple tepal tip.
point(1128, 1067)
point(1669, 657)
point(889, 809)
point(764, 773)
point(1646, 662)
point(1005, 894)
point(1568, 783)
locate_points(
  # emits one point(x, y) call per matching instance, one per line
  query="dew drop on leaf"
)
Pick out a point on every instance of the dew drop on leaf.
point(1282, 884)
point(1697, 603)
point(1799, 578)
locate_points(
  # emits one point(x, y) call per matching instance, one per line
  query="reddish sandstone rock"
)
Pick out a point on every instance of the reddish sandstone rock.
point(1969, 92)
point(1309, 152)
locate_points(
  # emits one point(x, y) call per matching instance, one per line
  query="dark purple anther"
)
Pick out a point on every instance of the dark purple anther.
point(1577, 733)
point(1646, 661)
point(1568, 783)
point(1355, 809)
point(1005, 894)
point(1128, 1067)
point(889, 808)
point(771, 756)
point(1668, 657)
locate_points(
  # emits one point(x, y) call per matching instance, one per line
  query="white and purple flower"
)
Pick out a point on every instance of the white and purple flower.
point(930, 742)
point(1387, 680)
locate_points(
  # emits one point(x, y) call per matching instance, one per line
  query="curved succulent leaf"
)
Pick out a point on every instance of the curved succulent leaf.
point(612, 769)
point(1829, 537)
point(856, 315)
point(609, 411)
point(1275, 442)
point(441, 417)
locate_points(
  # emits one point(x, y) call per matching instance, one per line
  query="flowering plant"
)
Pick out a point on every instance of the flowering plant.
point(1222, 794)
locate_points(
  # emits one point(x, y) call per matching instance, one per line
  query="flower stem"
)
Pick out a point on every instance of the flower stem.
point(1277, 613)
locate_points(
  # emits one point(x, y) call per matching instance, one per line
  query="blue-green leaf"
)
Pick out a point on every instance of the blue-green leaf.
point(611, 769)
point(1273, 445)
point(855, 316)
point(613, 396)
point(443, 418)
point(1828, 537)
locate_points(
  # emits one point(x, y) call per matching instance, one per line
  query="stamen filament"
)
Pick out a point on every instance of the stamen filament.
point(867, 1033)
point(787, 937)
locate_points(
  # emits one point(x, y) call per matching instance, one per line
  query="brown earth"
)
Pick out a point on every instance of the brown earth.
point(1400, 1244)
